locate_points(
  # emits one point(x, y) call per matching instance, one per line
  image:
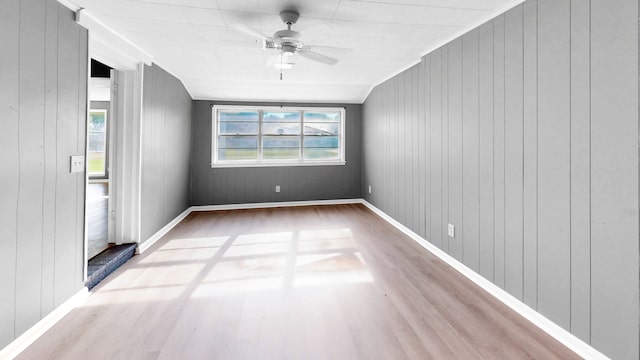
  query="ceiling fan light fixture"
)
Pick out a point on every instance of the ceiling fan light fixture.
point(289, 49)
point(284, 66)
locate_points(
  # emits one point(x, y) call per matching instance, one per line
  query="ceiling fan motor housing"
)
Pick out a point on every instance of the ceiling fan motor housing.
point(286, 35)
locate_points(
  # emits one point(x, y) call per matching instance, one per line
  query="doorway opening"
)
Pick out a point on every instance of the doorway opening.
point(98, 125)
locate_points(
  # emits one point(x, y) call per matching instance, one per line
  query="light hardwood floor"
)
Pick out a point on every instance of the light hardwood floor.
point(319, 282)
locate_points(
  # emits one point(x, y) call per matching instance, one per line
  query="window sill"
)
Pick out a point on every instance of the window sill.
point(277, 164)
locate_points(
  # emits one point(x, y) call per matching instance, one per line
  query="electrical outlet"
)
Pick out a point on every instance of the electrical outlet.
point(369, 189)
point(77, 163)
point(277, 188)
point(451, 230)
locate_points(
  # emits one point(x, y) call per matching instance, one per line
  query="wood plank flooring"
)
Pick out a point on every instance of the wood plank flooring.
point(318, 282)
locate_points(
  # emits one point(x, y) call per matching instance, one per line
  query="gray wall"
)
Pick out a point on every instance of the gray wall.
point(43, 92)
point(523, 133)
point(165, 150)
point(248, 185)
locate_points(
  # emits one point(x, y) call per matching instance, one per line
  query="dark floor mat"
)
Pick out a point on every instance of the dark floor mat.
point(103, 264)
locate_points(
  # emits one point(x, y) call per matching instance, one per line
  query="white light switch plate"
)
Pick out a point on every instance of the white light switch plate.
point(277, 188)
point(369, 189)
point(77, 163)
point(451, 230)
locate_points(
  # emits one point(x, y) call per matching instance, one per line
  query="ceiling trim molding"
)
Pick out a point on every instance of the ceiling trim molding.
point(69, 5)
point(110, 47)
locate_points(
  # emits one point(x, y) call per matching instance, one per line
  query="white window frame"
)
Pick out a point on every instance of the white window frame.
point(215, 163)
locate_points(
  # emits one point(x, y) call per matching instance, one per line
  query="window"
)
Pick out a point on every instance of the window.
point(97, 140)
point(277, 136)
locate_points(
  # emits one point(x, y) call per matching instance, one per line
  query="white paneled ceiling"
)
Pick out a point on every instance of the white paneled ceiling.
point(197, 41)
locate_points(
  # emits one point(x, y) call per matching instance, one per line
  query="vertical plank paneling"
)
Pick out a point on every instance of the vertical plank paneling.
point(165, 138)
point(67, 129)
point(456, 191)
point(423, 137)
point(499, 150)
point(369, 175)
point(388, 154)
point(379, 185)
point(9, 163)
point(376, 128)
point(166, 150)
point(351, 176)
point(426, 62)
point(485, 151)
point(31, 173)
point(395, 145)
point(530, 189)
point(412, 152)
point(554, 120)
point(436, 148)
point(470, 151)
point(386, 158)
point(151, 151)
point(406, 153)
point(513, 150)
point(365, 175)
point(444, 138)
point(200, 158)
point(81, 148)
point(398, 145)
point(580, 177)
point(614, 178)
point(408, 149)
point(417, 179)
point(369, 133)
point(401, 140)
point(50, 161)
point(43, 109)
point(379, 189)
point(531, 124)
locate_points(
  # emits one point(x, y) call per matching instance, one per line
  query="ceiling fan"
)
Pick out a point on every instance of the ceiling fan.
point(288, 42)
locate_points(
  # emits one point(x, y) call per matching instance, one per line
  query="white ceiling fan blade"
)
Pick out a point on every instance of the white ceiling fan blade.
point(312, 55)
point(329, 48)
point(248, 31)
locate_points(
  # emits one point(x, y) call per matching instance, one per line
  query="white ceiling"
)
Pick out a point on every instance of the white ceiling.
point(195, 40)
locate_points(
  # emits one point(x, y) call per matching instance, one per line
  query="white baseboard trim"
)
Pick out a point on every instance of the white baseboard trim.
point(162, 232)
point(563, 336)
point(275, 204)
point(38, 329)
